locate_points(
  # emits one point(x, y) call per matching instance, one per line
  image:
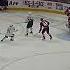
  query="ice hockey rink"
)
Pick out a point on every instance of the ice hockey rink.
point(32, 53)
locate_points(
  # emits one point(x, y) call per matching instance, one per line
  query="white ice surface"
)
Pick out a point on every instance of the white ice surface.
point(31, 53)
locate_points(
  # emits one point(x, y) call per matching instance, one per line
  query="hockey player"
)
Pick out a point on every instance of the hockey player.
point(10, 33)
point(45, 25)
point(68, 24)
point(29, 24)
point(69, 21)
point(67, 11)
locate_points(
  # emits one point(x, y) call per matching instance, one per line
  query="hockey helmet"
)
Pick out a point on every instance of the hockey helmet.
point(29, 13)
point(41, 19)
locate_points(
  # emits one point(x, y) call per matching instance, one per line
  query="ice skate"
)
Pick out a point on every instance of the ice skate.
point(50, 37)
point(26, 34)
point(31, 32)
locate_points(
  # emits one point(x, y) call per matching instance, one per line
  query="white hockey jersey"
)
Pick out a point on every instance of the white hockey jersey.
point(10, 31)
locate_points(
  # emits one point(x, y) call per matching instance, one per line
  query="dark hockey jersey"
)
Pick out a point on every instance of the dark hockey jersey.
point(44, 23)
point(30, 23)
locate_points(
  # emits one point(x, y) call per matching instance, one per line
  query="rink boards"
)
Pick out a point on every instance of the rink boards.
point(42, 6)
point(36, 10)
